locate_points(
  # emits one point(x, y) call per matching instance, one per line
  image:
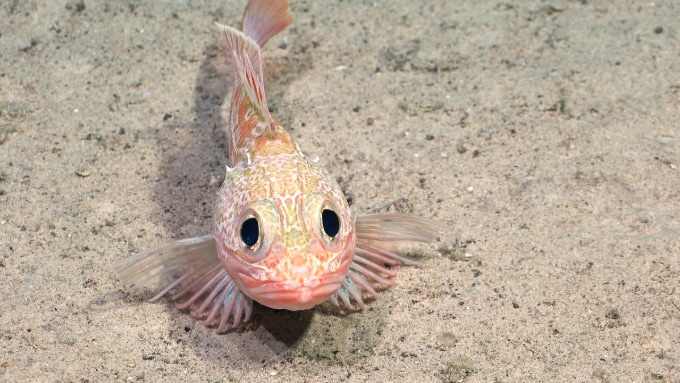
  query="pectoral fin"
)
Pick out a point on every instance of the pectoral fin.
point(190, 268)
point(375, 258)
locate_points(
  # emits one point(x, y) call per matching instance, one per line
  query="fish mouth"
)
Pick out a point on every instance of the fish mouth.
point(293, 295)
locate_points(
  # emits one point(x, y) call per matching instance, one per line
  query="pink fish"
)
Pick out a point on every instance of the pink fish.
point(284, 233)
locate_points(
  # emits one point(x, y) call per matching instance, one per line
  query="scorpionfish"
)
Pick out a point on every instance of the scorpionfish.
point(285, 235)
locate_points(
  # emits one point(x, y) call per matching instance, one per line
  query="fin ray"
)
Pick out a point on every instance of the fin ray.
point(375, 259)
point(263, 19)
point(247, 58)
point(192, 267)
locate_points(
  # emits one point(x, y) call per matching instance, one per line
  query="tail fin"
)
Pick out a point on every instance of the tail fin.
point(263, 19)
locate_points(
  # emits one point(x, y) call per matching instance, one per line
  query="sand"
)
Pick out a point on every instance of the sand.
point(544, 136)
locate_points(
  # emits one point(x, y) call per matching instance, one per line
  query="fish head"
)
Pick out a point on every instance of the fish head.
point(286, 233)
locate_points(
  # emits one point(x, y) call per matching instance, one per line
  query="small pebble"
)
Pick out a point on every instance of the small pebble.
point(82, 172)
point(558, 5)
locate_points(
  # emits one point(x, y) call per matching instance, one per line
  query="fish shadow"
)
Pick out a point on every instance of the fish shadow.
point(285, 326)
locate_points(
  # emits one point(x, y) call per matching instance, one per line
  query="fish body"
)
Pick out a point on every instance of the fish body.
point(284, 235)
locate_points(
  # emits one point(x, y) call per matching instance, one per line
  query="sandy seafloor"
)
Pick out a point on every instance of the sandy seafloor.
point(543, 135)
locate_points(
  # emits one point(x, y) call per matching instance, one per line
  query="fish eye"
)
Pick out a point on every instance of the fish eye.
point(250, 232)
point(253, 232)
point(330, 223)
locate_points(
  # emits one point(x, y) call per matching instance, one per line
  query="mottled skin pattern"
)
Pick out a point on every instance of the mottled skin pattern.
point(273, 180)
point(289, 195)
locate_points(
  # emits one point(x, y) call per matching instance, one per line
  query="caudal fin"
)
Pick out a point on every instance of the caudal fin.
point(375, 259)
point(263, 19)
point(190, 268)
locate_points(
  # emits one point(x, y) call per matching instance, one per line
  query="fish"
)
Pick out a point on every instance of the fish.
point(284, 235)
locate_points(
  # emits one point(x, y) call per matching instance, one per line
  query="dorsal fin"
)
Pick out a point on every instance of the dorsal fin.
point(262, 19)
point(246, 55)
point(247, 58)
